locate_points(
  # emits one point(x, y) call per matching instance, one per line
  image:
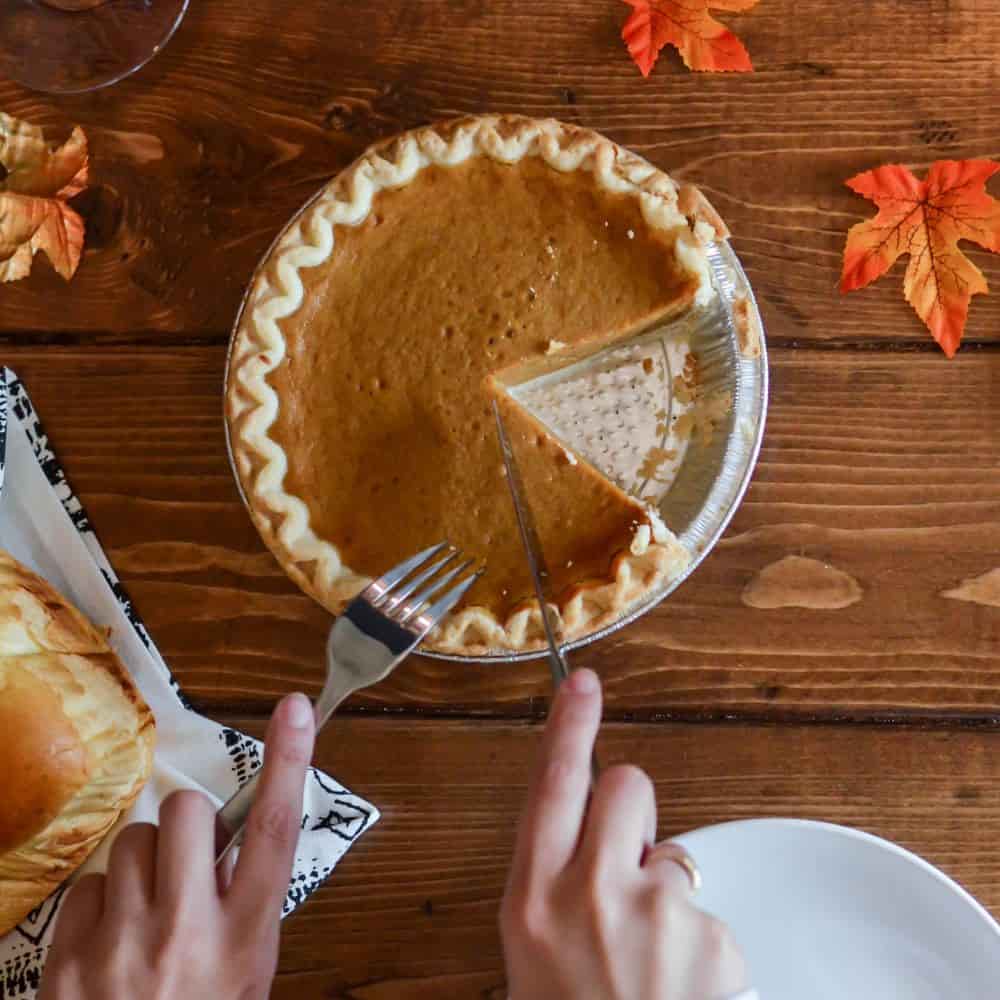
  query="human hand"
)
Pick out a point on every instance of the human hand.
point(163, 924)
point(591, 911)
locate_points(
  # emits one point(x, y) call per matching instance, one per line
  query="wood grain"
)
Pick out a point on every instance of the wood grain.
point(881, 461)
point(410, 912)
point(201, 158)
point(882, 465)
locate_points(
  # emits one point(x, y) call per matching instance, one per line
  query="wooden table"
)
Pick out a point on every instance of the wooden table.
point(881, 458)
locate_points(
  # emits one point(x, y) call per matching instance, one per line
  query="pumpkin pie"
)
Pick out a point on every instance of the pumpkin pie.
point(436, 271)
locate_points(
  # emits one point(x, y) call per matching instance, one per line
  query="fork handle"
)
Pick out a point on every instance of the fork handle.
point(231, 819)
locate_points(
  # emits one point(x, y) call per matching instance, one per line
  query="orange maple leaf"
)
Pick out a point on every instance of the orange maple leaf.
point(704, 43)
point(926, 219)
point(35, 184)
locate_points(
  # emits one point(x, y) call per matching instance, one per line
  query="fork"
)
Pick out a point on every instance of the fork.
point(376, 631)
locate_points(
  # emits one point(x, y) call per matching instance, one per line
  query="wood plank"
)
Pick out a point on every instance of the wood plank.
point(884, 466)
point(200, 158)
point(410, 912)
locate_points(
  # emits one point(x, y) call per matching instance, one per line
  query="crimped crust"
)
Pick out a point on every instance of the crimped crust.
point(276, 292)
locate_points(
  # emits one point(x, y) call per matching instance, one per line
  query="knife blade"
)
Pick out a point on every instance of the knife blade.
point(536, 564)
point(533, 551)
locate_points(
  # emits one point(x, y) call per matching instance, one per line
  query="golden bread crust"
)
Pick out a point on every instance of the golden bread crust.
point(76, 740)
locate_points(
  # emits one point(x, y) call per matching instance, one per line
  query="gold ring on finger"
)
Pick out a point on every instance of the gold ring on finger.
point(669, 851)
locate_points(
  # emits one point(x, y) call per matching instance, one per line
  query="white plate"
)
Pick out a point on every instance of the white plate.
point(825, 912)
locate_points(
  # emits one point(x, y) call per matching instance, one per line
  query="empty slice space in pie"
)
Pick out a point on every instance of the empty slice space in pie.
point(430, 277)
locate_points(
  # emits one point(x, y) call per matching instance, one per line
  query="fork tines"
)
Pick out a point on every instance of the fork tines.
point(413, 593)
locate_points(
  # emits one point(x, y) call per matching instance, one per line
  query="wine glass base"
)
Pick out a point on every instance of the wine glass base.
point(67, 51)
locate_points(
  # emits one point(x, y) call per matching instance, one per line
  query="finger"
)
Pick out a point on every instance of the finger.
point(80, 913)
point(264, 865)
point(131, 872)
point(77, 920)
point(621, 822)
point(185, 862)
point(224, 872)
point(672, 866)
point(724, 971)
point(560, 783)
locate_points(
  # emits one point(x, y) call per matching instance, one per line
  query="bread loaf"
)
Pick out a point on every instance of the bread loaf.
point(76, 740)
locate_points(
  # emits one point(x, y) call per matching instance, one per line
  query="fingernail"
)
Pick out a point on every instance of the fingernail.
point(298, 711)
point(583, 681)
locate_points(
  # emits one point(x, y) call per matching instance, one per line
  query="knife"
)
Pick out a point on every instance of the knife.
point(536, 564)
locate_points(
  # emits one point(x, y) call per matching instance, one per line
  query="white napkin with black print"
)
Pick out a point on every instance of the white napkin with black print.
point(43, 524)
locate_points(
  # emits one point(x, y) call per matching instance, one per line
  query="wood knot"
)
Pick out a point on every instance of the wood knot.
point(102, 211)
point(798, 582)
point(937, 132)
point(812, 68)
point(395, 109)
point(983, 590)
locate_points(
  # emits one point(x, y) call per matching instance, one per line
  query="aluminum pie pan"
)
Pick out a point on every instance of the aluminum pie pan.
point(713, 478)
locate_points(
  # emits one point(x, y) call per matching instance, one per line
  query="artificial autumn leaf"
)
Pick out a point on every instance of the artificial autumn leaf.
point(704, 43)
point(35, 184)
point(926, 219)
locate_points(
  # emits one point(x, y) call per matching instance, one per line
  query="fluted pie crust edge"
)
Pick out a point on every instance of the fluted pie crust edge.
point(276, 292)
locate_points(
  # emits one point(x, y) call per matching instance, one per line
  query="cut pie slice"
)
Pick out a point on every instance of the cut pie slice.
point(626, 408)
point(435, 270)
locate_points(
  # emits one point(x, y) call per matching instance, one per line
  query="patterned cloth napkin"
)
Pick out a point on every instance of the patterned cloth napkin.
point(44, 525)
